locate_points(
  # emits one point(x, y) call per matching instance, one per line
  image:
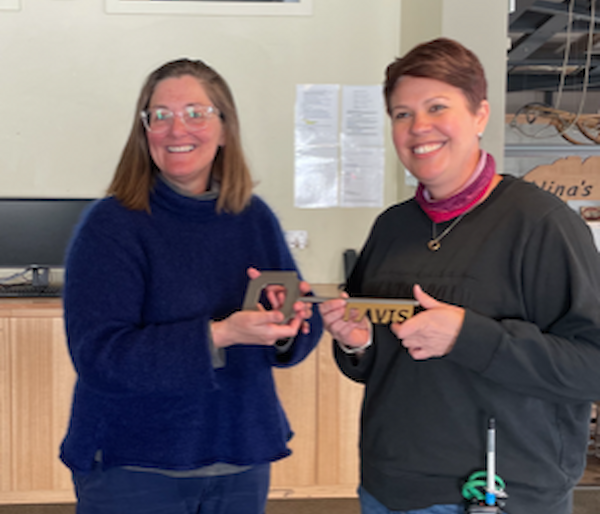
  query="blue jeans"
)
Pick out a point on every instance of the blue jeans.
point(369, 505)
point(121, 491)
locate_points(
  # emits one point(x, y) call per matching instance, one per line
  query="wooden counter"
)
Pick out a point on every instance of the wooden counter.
point(36, 382)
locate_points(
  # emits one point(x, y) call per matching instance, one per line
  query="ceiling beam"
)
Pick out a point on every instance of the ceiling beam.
point(553, 9)
point(530, 43)
point(552, 59)
point(517, 82)
point(521, 7)
point(580, 45)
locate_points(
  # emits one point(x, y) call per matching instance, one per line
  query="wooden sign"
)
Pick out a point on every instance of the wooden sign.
point(569, 178)
point(381, 311)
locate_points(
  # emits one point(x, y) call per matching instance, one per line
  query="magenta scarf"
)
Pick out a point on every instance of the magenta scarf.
point(465, 199)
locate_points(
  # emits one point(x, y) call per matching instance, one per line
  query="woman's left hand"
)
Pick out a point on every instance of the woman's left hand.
point(276, 296)
point(432, 332)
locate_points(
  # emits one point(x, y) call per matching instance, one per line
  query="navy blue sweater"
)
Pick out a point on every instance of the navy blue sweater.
point(140, 290)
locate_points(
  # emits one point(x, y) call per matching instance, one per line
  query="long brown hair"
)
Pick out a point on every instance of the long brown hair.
point(136, 172)
point(441, 59)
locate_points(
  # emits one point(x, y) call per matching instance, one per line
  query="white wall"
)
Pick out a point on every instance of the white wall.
point(480, 25)
point(71, 74)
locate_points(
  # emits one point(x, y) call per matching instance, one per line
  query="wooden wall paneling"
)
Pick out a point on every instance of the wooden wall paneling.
point(338, 428)
point(5, 407)
point(297, 389)
point(31, 404)
point(38, 420)
point(63, 380)
point(349, 408)
point(328, 454)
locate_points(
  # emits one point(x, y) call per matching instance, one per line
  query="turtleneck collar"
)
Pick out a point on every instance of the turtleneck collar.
point(166, 198)
point(210, 194)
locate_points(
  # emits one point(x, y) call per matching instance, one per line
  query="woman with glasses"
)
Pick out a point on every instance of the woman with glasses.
point(508, 279)
point(175, 408)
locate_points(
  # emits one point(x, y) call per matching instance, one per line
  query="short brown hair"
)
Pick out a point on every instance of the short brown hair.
point(136, 172)
point(441, 59)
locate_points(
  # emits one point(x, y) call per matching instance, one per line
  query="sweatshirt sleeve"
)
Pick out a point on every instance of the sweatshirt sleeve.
point(553, 352)
point(355, 367)
point(113, 349)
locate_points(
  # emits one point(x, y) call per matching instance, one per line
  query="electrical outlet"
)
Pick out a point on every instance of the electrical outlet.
point(296, 239)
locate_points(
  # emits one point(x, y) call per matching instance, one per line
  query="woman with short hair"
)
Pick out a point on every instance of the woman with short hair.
point(508, 279)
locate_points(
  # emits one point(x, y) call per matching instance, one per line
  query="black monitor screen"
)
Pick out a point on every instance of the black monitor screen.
point(36, 232)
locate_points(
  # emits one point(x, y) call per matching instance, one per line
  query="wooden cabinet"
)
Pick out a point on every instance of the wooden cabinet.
point(323, 407)
point(36, 383)
point(4, 409)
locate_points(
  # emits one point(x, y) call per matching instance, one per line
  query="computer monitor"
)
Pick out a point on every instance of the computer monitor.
point(35, 232)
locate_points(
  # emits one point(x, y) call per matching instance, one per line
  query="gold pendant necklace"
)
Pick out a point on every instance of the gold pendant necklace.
point(434, 245)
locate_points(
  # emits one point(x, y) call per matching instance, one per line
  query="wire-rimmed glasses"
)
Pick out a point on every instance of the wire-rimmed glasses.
point(195, 117)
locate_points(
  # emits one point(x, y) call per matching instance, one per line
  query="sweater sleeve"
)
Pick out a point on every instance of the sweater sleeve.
point(113, 349)
point(552, 353)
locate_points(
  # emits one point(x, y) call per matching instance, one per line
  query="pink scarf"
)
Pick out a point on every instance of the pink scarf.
point(465, 199)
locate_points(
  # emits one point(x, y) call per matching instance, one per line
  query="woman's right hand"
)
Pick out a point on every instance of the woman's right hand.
point(253, 327)
point(350, 333)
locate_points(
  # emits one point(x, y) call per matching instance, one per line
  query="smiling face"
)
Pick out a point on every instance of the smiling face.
point(435, 133)
point(183, 155)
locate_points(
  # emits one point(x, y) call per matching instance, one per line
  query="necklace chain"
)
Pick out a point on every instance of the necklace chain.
point(434, 244)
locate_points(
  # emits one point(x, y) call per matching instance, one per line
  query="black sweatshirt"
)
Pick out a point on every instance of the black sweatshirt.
point(524, 266)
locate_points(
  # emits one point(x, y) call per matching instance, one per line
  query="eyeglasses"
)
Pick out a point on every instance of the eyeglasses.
point(195, 116)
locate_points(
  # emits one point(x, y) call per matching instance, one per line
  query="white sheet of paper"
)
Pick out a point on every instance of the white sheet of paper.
point(362, 115)
point(316, 177)
point(363, 154)
point(317, 115)
point(362, 176)
point(316, 145)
